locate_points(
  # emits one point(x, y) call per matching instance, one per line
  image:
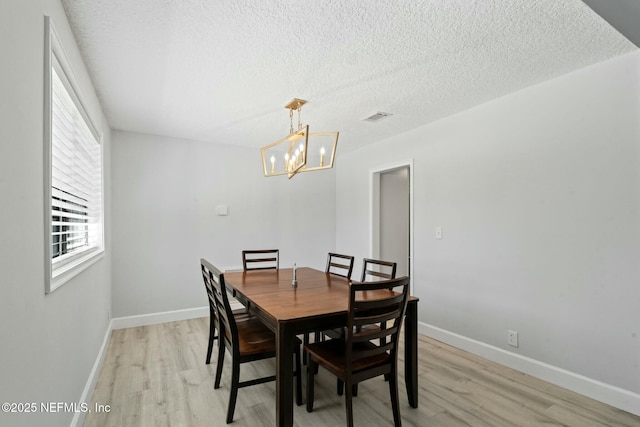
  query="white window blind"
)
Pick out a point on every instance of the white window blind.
point(75, 217)
point(76, 172)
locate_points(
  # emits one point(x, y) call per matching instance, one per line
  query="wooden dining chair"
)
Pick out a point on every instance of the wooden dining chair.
point(239, 314)
point(372, 270)
point(357, 357)
point(376, 269)
point(340, 265)
point(247, 341)
point(260, 259)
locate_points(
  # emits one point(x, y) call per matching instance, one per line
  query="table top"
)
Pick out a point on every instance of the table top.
point(317, 293)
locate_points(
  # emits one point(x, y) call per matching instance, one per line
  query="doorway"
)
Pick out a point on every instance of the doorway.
point(391, 215)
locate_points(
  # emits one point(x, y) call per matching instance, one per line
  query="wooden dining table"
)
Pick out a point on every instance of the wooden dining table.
point(318, 302)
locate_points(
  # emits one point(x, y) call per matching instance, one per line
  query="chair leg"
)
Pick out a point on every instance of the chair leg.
point(212, 333)
point(216, 384)
point(340, 388)
point(395, 406)
point(348, 398)
point(298, 374)
point(233, 395)
point(305, 340)
point(310, 381)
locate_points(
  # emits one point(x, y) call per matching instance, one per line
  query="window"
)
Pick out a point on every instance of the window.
point(73, 172)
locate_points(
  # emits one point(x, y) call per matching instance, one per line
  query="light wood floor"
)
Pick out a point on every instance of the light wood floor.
point(156, 376)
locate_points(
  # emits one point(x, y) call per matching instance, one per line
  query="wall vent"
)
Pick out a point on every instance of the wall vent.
point(377, 117)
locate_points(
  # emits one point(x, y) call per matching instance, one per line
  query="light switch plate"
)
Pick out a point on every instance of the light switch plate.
point(222, 210)
point(438, 232)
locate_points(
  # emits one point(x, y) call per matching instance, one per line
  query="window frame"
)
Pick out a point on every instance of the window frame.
point(60, 271)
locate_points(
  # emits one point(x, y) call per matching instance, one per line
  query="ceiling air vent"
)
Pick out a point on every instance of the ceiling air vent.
point(377, 117)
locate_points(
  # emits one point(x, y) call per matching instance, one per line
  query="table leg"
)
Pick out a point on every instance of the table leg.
point(284, 375)
point(411, 353)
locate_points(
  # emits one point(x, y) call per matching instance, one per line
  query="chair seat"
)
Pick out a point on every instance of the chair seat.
point(256, 338)
point(331, 353)
point(241, 314)
point(340, 332)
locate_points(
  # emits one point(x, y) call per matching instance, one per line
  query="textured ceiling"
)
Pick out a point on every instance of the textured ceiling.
point(222, 71)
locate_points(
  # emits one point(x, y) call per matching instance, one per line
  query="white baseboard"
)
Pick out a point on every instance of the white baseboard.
point(155, 318)
point(611, 395)
point(87, 393)
point(167, 316)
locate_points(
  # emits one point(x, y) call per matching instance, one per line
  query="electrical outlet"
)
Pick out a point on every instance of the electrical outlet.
point(513, 338)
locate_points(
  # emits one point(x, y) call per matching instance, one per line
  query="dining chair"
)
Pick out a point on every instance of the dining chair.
point(340, 265)
point(376, 269)
point(239, 314)
point(260, 259)
point(247, 341)
point(357, 357)
point(372, 270)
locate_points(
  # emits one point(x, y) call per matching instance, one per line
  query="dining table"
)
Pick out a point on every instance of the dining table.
point(319, 301)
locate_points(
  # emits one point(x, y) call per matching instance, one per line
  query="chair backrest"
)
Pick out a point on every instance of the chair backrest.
point(375, 269)
point(385, 314)
point(261, 259)
point(340, 265)
point(206, 267)
point(226, 321)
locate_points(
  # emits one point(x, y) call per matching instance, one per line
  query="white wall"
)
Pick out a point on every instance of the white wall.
point(48, 343)
point(538, 195)
point(165, 194)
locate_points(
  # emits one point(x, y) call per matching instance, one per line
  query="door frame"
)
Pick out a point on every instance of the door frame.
point(374, 210)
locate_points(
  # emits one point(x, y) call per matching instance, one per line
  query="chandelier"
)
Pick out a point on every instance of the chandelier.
point(301, 150)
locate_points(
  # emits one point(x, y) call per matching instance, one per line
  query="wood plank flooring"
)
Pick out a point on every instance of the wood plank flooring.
point(156, 376)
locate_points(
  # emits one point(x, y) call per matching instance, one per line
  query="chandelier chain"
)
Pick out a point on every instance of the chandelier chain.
point(297, 107)
point(291, 121)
